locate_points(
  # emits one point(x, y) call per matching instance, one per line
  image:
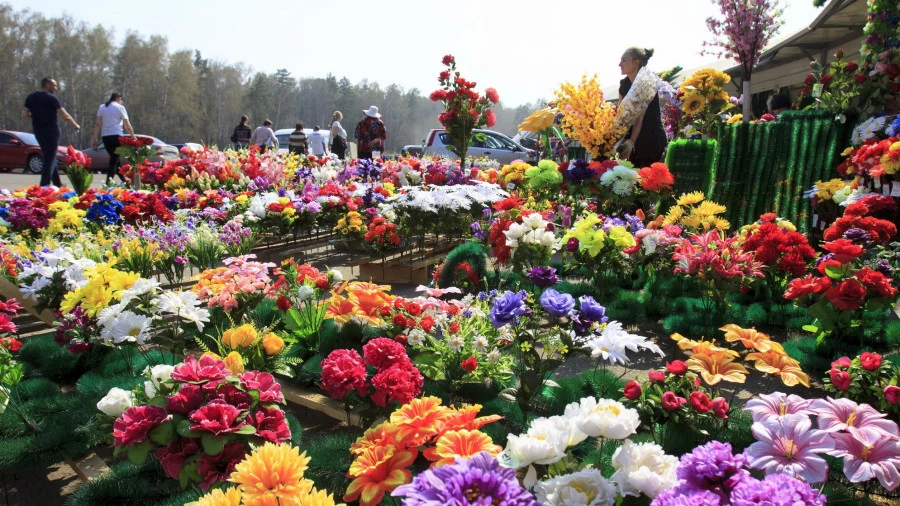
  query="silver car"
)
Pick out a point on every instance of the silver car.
point(492, 145)
point(100, 158)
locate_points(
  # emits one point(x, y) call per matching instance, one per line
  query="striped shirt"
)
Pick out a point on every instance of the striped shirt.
point(297, 142)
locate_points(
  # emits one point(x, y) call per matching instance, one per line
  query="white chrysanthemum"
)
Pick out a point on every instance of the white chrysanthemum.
point(604, 418)
point(587, 487)
point(543, 444)
point(494, 355)
point(481, 344)
point(177, 302)
point(606, 347)
point(621, 179)
point(643, 469)
point(109, 314)
point(305, 292)
point(130, 327)
point(416, 337)
point(456, 342)
point(157, 375)
point(116, 402)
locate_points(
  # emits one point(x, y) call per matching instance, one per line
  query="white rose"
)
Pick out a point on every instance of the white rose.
point(643, 469)
point(336, 275)
point(587, 487)
point(304, 292)
point(116, 402)
point(158, 374)
point(604, 418)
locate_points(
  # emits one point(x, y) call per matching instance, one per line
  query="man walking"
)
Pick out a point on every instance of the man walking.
point(264, 137)
point(297, 141)
point(43, 106)
point(317, 143)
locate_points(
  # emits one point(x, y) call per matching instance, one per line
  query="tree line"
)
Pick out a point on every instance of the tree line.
point(180, 96)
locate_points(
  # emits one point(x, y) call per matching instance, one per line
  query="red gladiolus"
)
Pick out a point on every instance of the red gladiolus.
point(263, 382)
point(656, 377)
point(677, 367)
point(469, 364)
point(892, 394)
point(806, 286)
point(840, 379)
point(841, 363)
point(632, 390)
point(870, 361)
point(671, 402)
point(134, 424)
point(847, 296)
point(720, 407)
point(700, 402)
point(217, 417)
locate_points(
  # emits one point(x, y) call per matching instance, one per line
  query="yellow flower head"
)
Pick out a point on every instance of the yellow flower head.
point(239, 337)
point(273, 469)
point(218, 497)
point(690, 198)
point(272, 344)
point(234, 362)
point(693, 104)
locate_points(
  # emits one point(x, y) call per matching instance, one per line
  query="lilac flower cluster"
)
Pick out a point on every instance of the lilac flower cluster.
point(23, 214)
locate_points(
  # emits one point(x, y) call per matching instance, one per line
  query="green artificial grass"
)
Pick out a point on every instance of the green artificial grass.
point(330, 459)
point(128, 485)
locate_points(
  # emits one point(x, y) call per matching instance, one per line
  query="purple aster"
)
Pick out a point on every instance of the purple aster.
point(884, 267)
point(824, 258)
point(478, 481)
point(712, 466)
point(776, 490)
point(610, 222)
point(579, 171)
point(857, 235)
point(686, 495)
point(543, 276)
point(557, 304)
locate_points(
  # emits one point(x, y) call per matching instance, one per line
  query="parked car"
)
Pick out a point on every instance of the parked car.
point(413, 150)
point(191, 146)
point(284, 134)
point(100, 158)
point(494, 145)
point(20, 150)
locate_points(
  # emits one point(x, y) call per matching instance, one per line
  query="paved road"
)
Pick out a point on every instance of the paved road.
point(16, 180)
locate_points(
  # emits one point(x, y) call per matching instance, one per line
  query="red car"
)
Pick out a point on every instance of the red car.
point(20, 150)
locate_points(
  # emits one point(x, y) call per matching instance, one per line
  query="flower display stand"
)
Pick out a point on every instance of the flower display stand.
point(315, 401)
point(393, 273)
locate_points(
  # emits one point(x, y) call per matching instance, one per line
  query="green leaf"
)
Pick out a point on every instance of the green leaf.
point(246, 429)
point(811, 328)
point(183, 428)
point(137, 454)
point(834, 271)
point(162, 434)
point(213, 445)
point(429, 363)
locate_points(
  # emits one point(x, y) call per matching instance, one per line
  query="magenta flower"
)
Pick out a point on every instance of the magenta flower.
point(789, 445)
point(843, 414)
point(777, 405)
point(869, 453)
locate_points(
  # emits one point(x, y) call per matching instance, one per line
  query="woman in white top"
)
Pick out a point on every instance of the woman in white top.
point(112, 123)
point(338, 136)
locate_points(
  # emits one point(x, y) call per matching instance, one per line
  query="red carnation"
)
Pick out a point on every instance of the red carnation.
point(806, 286)
point(469, 364)
point(720, 407)
point(401, 382)
point(876, 281)
point(844, 250)
point(172, 457)
point(490, 119)
point(343, 371)
point(870, 361)
point(217, 468)
point(234, 396)
point(840, 379)
point(847, 296)
point(263, 382)
point(677, 367)
point(656, 376)
point(841, 363)
point(134, 424)
point(283, 303)
point(454, 328)
point(671, 402)
point(270, 425)
point(11, 344)
point(632, 390)
point(199, 371)
point(383, 352)
point(448, 59)
point(700, 402)
point(656, 177)
point(492, 95)
point(188, 398)
point(217, 417)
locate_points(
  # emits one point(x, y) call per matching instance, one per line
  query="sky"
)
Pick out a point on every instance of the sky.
point(523, 48)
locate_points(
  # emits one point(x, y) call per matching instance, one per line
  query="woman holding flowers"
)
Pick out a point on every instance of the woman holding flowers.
point(645, 142)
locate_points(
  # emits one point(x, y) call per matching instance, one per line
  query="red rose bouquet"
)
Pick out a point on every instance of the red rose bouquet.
point(875, 215)
point(136, 151)
point(381, 235)
point(869, 379)
point(783, 252)
point(78, 169)
point(200, 420)
point(464, 109)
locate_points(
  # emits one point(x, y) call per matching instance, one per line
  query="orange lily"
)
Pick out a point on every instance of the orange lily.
point(342, 310)
point(463, 444)
point(779, 364)
point(420, 420)
point(750, 338)
point(710, 348)
point(380, 435)
point(379, 470)
point(466, 418)
point(716, 367)
point(369, 302)
point(683, 342)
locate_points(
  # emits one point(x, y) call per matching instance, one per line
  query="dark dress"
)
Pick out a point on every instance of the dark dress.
point(651, 141)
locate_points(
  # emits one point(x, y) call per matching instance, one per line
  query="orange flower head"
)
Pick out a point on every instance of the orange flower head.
point(219, 497)
point(463, 444)
point(234, 362)
point(381, 435)
point(272, 344)
point(467, 418)
point(710, 348)
point(779, 364)
point(342, 310)
point(315, 498)
point(239, 337)
point(370, 301)
point(716, 367)
point(420, 420)
point(272, 469)
point(379, 470)
point(750, 338)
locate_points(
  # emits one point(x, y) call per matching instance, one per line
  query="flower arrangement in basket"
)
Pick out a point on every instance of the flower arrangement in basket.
point(78, 169)
point(464, 108)
point(199, 419)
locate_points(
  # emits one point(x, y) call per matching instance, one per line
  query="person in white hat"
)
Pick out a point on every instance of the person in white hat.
point(370, 134)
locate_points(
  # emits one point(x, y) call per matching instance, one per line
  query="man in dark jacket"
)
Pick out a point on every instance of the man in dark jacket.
point(43, 107)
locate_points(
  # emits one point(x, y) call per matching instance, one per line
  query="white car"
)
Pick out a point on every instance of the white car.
point(494, 146)
point(284, 134)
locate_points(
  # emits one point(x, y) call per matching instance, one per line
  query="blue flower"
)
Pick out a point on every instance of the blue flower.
point(507, 307)
point(557, 304)
point(592, 310)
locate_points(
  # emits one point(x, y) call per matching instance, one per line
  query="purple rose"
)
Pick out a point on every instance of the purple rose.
point(507, 307)
point(557, 304)
point(592, 310)
point(543, 276)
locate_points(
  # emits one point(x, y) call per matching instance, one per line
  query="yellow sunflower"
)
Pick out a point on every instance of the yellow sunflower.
point(693, 105)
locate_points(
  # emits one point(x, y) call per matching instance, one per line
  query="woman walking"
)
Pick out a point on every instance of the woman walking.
point(338, 136)
point(112, 122)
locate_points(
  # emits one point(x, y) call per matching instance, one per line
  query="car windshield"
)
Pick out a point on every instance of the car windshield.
point(28, 139)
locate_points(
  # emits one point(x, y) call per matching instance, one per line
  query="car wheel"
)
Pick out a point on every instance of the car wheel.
point(35, 164)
